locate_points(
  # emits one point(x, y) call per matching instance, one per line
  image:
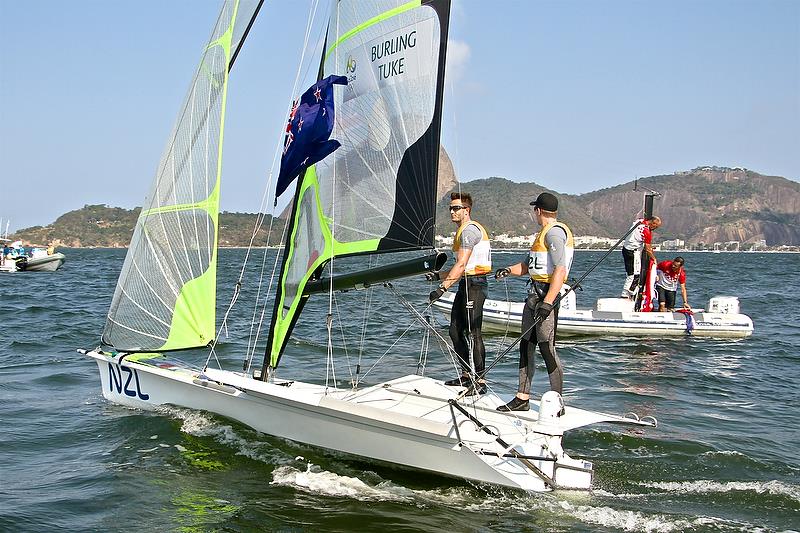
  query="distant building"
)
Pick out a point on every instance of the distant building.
point(592, 242)
point(505, 241)
point(674, 244)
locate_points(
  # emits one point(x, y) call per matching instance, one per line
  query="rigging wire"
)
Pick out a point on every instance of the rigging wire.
point(258, 226)
point(422, 319)
point(502, 341)
point(367, 309)
point(330, 363)
point(344, 339)
point(558, 299)
point(456, 164)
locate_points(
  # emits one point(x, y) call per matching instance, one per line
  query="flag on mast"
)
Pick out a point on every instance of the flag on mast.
point(308, 132)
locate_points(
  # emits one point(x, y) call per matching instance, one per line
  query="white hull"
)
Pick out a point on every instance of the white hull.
point(50, 263)
point(406, 422)
point(502, 317)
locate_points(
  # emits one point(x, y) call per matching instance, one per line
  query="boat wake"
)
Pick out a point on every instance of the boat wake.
point(545, 507)
point(200, 424)
point(303, 475)
point(705, 486)
point(315, 480)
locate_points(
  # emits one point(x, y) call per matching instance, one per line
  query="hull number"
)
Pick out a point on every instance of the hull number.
point(125, 380)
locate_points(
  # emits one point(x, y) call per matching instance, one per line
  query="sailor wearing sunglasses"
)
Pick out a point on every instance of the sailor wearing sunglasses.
point(473, 261)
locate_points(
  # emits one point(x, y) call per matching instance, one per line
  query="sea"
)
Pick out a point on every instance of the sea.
point(724, 456)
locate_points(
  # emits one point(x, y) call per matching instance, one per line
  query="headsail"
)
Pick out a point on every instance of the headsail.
point(165, 296)
point(378, 191)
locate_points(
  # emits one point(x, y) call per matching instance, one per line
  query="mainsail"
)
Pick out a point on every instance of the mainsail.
point(165, 296)
point(377, 192)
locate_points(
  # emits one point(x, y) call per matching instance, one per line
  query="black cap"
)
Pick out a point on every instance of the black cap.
point(546, 202)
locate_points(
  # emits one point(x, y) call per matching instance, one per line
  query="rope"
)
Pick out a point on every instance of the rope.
point(252, 340)
point(557, 301)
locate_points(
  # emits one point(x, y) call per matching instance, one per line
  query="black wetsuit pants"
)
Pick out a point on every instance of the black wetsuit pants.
point(465, 323)
point(543, 335)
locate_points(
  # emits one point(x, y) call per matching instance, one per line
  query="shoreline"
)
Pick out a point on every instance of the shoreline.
point(494, 250)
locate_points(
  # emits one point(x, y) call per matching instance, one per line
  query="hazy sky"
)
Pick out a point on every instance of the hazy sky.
point(575, 95)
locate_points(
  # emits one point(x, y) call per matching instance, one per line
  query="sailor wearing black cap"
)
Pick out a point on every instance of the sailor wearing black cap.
point(548, 264)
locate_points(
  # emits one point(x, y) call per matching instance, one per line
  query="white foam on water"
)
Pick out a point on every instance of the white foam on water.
point(318, 481)
point(576, 505)
point(704, 486)
point(149, 450)
point(314, 479)
point(732, 453)
point(201, 424)
point(628, 520)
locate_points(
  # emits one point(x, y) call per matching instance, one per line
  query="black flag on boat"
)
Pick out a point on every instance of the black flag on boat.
point(308, 131)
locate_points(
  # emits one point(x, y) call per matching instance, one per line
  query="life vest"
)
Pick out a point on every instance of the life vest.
point(480, 260)
point(539, 266)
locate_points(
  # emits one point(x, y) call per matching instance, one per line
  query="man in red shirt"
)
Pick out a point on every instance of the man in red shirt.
point(670, 275)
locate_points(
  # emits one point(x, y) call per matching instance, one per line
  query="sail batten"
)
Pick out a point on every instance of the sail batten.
point(165, 296)
point(377, 192)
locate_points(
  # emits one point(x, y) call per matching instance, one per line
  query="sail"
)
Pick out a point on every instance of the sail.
point(165, 296)
point(377, 192)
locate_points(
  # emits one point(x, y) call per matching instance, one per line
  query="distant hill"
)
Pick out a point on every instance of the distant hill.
point(706, 205)
point(101, 226)
point(703, 205)
point(503, 206)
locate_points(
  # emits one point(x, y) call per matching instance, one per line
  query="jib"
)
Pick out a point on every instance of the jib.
point(115, 381)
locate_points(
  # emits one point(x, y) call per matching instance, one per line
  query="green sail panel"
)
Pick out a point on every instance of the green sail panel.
point(377, 191)
point(165, 296)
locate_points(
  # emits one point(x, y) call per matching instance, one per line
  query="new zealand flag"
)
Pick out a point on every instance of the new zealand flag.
point(308, 131)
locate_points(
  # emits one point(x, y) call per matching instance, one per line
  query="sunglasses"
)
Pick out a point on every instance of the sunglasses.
point(456, 208)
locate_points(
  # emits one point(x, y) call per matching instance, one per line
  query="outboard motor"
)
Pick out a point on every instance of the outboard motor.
point(551, 406)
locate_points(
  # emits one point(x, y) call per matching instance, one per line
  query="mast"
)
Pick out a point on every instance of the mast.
point(166, 292)
point(377, 193)
point(647, 210)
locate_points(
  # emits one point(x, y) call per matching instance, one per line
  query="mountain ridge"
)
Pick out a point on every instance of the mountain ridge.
point(702, 205)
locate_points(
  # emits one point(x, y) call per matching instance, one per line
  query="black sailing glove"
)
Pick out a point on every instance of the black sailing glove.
point(543, 310)
point(435, 295)
point(501, 273)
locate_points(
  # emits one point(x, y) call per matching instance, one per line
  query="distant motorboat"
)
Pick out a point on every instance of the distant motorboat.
point(37, 260)
point(45, 263)
point(616, 316)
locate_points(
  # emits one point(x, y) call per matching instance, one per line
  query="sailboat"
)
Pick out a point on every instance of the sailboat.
point(376, 194)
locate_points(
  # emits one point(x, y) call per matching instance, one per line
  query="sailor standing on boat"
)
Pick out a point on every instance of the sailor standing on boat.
point(638, 241)
point(548, 265)
point(473, 262)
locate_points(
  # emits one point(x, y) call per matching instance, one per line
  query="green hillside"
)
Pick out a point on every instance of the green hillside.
point(703, 205)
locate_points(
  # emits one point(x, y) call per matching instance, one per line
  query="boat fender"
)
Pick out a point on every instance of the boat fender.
point(551, 406)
